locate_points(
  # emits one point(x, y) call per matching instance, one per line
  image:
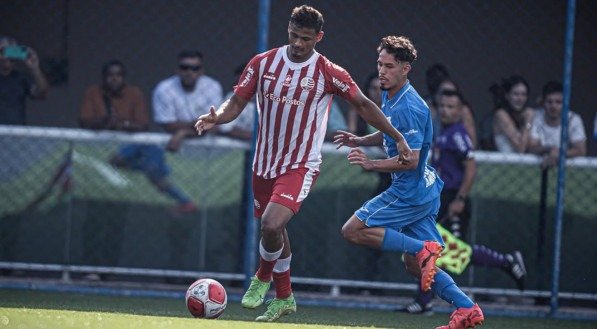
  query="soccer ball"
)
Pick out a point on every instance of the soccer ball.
point(206, 298)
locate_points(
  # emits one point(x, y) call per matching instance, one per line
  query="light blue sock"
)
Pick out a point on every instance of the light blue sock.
point(396, 241)
point(445, 287)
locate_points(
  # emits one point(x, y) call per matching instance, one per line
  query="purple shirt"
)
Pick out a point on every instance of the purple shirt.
point(452, 146)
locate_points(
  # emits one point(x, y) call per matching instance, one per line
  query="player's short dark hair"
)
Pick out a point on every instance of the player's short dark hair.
point(187, 53)
point(552, 87)
point(307, 17)
point(113, 62)
point(452, 93)
point(401, 47)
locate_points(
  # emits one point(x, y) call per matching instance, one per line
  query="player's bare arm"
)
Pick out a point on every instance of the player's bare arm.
point(373, 115)
point(227, 112)
point(358, 157)
point(344, 138)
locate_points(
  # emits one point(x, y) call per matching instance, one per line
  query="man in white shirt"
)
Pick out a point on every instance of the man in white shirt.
point(545, 134)
point(179, 100)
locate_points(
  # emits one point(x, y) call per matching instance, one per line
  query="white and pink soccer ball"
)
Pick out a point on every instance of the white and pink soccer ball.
point(206, 298)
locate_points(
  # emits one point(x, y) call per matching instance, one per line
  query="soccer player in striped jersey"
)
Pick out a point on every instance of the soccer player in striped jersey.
point(294, 86)
point(403, 218)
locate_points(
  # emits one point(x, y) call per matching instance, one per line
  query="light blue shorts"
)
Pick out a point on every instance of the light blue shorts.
point(386, 210)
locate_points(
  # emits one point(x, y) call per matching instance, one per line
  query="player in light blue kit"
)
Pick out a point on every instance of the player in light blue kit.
point(403, 217)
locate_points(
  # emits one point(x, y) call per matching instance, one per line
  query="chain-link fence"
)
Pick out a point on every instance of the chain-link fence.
point(64, 203)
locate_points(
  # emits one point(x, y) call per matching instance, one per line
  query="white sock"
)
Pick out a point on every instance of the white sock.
point(269, 256)
point(282, 265)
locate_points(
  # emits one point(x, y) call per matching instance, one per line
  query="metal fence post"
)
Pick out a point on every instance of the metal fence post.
point(251, 230)
point(568, 52)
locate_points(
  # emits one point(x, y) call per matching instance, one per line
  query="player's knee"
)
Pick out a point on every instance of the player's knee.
point(411, 265)
point(271, 227)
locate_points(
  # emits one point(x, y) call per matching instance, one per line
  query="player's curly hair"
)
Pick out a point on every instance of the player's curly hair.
point(401, 47)
point(307, 17)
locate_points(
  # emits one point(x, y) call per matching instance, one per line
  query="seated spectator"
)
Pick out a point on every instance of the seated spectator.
point(546, 128)
point(512, 116)
point(179, 100)
point(118, 106)
point(16, 85)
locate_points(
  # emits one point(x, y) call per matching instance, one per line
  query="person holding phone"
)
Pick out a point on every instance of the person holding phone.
point(15, 85)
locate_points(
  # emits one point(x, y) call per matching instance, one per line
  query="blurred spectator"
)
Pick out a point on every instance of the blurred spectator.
point(437, 79)
point(434, 76)
point(453, 158)
point(512, 116)
point(546, 128)
point(16, 84)
point(372, 90)
point(468, 119)
point(179, 100)
point(118, 106)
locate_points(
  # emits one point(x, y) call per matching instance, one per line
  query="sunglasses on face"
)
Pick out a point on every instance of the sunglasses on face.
point(186, 67)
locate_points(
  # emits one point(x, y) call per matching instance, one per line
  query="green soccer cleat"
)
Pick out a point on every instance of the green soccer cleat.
point(255, 294)
point(278, 307)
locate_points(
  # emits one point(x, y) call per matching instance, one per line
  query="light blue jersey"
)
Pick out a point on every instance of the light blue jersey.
point(411, 203)
point(409, 113)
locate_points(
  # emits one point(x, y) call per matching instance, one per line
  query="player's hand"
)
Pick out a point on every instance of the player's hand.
point(405, 155)
point(206, 121)
point(344, 138)
point(356, 156)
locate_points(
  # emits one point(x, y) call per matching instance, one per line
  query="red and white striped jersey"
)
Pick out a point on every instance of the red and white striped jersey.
point(293, 101)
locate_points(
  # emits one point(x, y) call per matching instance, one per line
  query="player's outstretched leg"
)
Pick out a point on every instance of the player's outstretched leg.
point(426, 259)
point(255, 295)
point(278, 307)
point(465, 318)
point(467, 314)
point(516, 269)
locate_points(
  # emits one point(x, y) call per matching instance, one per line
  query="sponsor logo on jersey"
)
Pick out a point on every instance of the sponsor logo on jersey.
point(412, 131)
point(307, 83)
point(287, 196)
point(283, 99)
point(248, 77)
point(269, 76)
point(287, 81)
point(342, 85)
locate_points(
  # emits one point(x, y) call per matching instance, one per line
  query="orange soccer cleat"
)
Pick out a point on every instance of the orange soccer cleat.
point(426, 259)
point(465, 318)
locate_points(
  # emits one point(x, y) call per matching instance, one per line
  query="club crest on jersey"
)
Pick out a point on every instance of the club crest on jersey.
point(248, 77)
point(287, 81)
point(307, 83)
point(342, 85)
